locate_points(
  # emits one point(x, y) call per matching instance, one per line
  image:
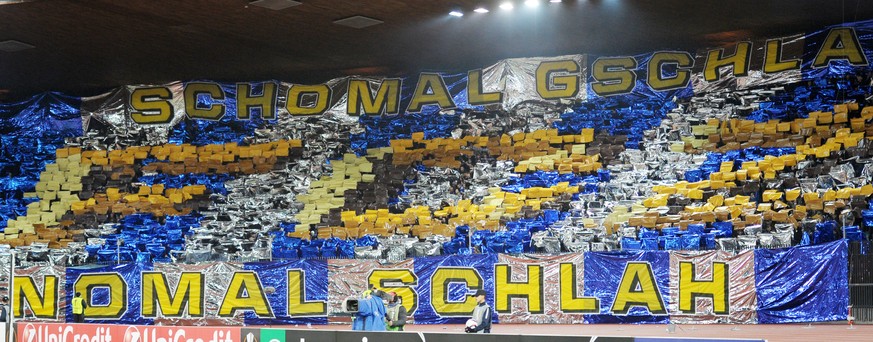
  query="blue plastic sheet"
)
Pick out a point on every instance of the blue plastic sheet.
point(805, 240)
point(483, 264)
point(672, 243)
point(691, 242)
point(545, 179)
point(650, 244)
point(646, 233)
point(454, 246)
point(144, 238)
point(714, 160)
point(824, 232)
point(628, 243)
point(853, 233)
point(867, 216)
point(285, 247)
point(709, 241)
point(310, 252)
point(603, 273)
point(227, 129)
point(802, 284)
point(629, 114)
point(669, 231)
point(346, 249)
point(381, 129)
point(517, 237)
point(696, 228)
point(32, 130)
point(46, 114)
point(276, 274)
point(723, 229)
point(479, 237)
point(367, 241)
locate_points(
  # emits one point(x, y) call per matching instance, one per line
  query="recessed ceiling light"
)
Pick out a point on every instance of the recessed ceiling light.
point(555, 1)
point(358, 22)
point(456, 13)
point(275, 5)
point(507, 5)
point(532, 3)
point(14, 46)
point(481, 10)
point(13, 2)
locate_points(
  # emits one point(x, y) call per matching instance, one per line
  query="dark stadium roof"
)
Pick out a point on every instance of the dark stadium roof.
point(83, 47)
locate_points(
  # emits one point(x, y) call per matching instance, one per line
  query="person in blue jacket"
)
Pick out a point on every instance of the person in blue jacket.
point(371, 313)
point(379, 312)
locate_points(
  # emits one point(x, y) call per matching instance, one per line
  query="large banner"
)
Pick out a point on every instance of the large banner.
point(768, 286)
point(505, 85)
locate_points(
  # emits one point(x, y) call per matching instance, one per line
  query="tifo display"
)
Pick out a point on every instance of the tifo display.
point(725, 157)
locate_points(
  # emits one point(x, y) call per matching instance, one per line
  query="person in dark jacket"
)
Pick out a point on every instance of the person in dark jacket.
point(3, 313)
point(395, 314)
point(481, 320)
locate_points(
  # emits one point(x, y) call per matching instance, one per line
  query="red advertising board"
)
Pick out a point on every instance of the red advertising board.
point(59, 332)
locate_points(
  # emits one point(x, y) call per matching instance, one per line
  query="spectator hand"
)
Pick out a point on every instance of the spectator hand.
point(468, 330)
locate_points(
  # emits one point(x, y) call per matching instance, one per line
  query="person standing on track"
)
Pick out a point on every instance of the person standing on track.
point(481, 320)
point(78, 308)
point(395, 314)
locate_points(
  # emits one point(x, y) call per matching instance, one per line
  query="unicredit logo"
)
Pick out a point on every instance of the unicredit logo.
point(29, 333)
point(180, 334)
point(112, 333)
point(63, 333)
point(132, 334)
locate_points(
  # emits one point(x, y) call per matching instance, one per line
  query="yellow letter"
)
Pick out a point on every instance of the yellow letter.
point(43, 304)
point(246, 101)
point(245, 293)
point(294, 102)
point(387, 98)
point(211, 111)
point(553, 87)
point(716, 60)
point(381, 277)
point(147, 107)
point(505, 289)
point(430, 89)
point(841, 43)
point(439, 290)
point(475, 96)
point(156, 295)
point(683, 62)
point(613, 75)
point(569, 302)
point(716, 289)
point(773, 62)
point(638, 288)
point(297, 304)
point(114, 283)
